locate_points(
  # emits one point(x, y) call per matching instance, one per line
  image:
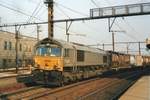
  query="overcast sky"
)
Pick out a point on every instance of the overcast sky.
point(96, 31)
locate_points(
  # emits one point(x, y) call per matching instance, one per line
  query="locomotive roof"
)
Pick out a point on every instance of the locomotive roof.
point(70, 45)
point(78, 46)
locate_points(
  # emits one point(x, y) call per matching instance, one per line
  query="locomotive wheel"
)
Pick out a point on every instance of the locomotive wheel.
point(61, 81)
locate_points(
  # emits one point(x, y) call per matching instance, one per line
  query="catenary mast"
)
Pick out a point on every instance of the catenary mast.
point(50, 18)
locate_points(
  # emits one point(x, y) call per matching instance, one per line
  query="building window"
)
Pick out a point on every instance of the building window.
point(9, 60)
point(20, 47)
point(29, 49)
point(80, 55)
point(26, 48)
point(66, 52)
point(5, 45)
point(10, 45)
point(4, 63)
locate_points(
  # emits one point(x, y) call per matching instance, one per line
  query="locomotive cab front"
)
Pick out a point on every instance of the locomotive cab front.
point(48, 61)
point(48, 57)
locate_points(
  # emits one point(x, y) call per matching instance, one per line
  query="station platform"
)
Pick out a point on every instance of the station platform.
point(3, 75)
point(12, 72)
point(139, 91)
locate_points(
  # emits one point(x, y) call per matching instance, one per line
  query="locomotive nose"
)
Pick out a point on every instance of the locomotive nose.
point(50, 63)
point(46, 64)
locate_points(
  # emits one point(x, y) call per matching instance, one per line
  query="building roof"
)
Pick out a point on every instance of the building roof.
point(21, 36)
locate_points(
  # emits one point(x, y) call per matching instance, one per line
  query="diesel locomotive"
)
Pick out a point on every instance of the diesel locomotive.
point(57, 62)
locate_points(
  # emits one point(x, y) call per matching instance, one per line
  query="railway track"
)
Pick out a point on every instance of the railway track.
point(8, 83)
point(22, 93)
point(32, 93)
point(6, 77)
point(36, 92)
point(80, 90)
point(13, 69)
point(13, 87)
point(108, 92)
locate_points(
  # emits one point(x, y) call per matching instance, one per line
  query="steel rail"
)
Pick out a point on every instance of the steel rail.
point(5, 96)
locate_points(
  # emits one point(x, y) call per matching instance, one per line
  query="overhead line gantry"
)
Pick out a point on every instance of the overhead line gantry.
point(101, 13)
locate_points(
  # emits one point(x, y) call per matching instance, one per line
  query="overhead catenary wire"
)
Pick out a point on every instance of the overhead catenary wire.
point(31, 16)
point(18, 11)
point(74, 12)
point(37, 13)
point(62, 11)
point(70, 32)
point(130, 26)
point(77, 12)
point(11, 7)
point(21, 12)
point(34, 12)
point(8, 3)
point(125, 33)
point(94, 3)
point(56, 4)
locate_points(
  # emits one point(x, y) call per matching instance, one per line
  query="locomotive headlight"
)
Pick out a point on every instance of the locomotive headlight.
point(56, 67)
point(36, 65)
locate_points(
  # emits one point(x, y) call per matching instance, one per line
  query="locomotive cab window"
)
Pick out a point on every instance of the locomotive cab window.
point(80, 55)
point(48, 51)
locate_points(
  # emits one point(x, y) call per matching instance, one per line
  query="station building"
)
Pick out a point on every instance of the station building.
point(8, 50)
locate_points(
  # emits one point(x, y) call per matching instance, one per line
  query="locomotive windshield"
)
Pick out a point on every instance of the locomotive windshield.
point(48, 51)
